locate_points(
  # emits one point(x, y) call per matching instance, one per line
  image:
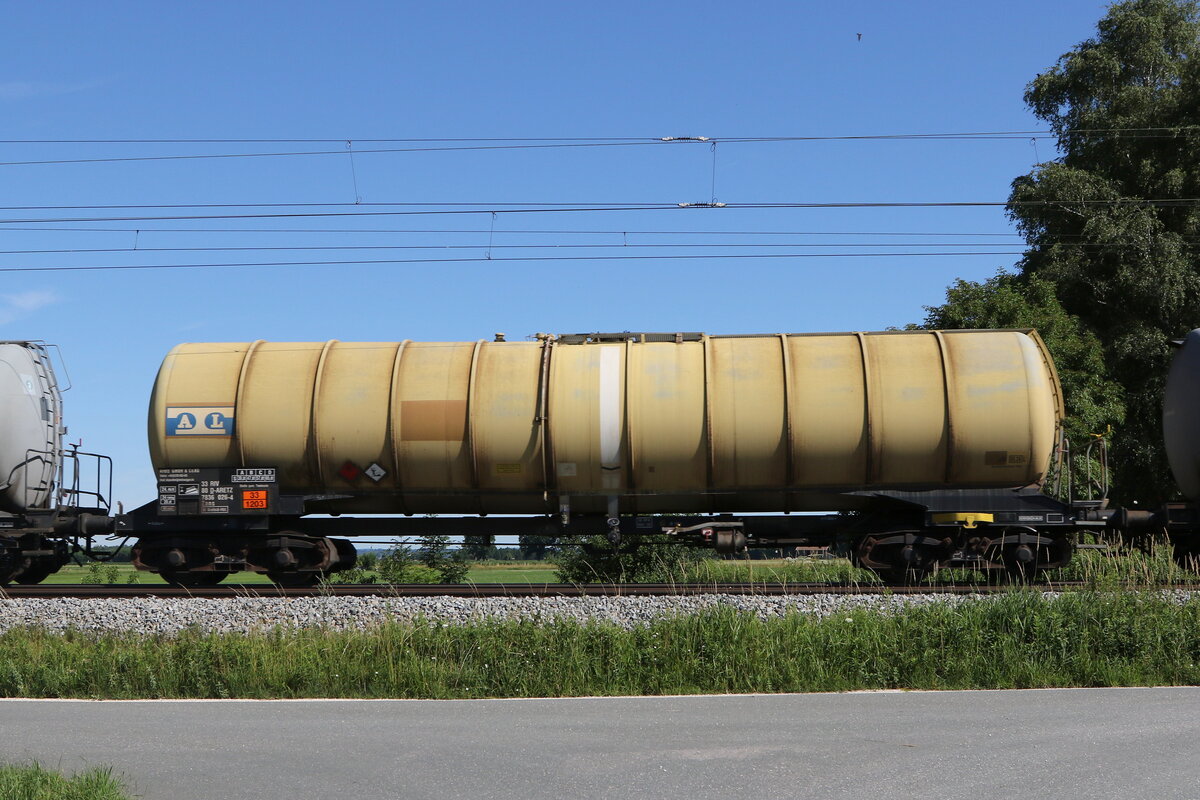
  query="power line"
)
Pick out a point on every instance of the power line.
point(342, 152)
point(307, 215)
point(373, 204)
point(577, 246)
point(487, 206)
point(339, 139)
point(587, 246)
point(685, 257)
point(1156, 202)
point(506, 231)
point(465, 144)
point(1157, 131)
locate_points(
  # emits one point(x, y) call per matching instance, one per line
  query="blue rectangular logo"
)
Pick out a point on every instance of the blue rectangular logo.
point(200, 421)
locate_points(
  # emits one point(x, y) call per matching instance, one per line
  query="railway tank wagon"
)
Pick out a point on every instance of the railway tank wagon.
point(928, 446)
point(43, 507)
point(1181, 437)
point(31, 410)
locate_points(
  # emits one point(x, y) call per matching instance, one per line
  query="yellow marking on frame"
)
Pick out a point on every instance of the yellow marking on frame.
point(968, 521)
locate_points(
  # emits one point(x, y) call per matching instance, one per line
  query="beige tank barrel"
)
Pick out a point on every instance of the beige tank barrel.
point(690, 424)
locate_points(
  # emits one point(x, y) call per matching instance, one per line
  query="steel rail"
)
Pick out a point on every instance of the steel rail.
point(118, 591)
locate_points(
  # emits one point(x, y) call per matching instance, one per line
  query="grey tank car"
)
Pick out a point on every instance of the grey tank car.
point(45, 512)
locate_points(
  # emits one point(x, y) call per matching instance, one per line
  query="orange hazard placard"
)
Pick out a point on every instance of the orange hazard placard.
point(254, 498)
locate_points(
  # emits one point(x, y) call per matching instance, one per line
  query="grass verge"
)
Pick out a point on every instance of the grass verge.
point(33, 782)
point(1016, 640)
point(124, 573)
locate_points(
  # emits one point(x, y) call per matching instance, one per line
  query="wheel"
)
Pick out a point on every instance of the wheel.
point(347, 555)
point(295, 580)
point(899, 559)
point(33, 575)
point(193, 580)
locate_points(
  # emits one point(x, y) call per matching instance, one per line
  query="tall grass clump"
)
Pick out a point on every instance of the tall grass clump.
point(661, 559)
point(836, 571)
point(650, 559)
point(33, 782)
point(1019, 639)
point(1125, 566)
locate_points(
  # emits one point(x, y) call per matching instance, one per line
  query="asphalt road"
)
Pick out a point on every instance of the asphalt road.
point(1094, 743)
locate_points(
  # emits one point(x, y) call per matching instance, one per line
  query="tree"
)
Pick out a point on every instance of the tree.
point(534, 546)
point(435, 554)
point(650, 559)
point(432, 562)
point(1113, 222)
point(478, 546)
point(1092, 399)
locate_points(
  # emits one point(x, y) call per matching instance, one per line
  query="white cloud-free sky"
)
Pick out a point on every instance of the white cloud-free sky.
point(356, 71)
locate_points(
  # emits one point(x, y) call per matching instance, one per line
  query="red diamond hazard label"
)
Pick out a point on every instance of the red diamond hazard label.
point(349, 471)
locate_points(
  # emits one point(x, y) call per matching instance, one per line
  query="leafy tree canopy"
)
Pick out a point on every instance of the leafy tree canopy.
point(1113, 223)
point(535, 547)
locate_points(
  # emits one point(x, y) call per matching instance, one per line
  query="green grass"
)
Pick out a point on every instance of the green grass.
point(708, 571)
point(36, 783)
point(517, 572)
point(1015, 640)
point(1108, 568)
point(126, 574)
point(1102, 569)
point(801, 570)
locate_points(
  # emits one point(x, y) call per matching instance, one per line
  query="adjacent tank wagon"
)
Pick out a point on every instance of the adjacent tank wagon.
point(45, 507)
point(31, 437)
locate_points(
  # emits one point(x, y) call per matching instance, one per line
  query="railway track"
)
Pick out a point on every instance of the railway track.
point(91, 591)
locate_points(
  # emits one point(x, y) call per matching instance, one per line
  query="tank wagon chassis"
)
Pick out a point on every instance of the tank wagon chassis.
point(37, 541)
point(208, 523)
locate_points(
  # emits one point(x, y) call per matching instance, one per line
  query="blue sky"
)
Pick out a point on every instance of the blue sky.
point(356, 71)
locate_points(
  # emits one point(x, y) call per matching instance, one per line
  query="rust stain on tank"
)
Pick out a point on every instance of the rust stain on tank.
point(433, 420)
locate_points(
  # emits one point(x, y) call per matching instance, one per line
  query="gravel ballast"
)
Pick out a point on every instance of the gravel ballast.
point(247, 615)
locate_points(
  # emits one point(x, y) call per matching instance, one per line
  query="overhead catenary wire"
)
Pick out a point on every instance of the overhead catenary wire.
point(548, 208)
point(294, 153)
point(506, 231)
point(340, 204)
point(572, 246)
point(1144, 131)
point(481, 260)
point(488, 206)
point(541, 143)
point(456, 143)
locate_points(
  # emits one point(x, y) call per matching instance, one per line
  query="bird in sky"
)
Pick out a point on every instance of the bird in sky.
point(860, 37)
